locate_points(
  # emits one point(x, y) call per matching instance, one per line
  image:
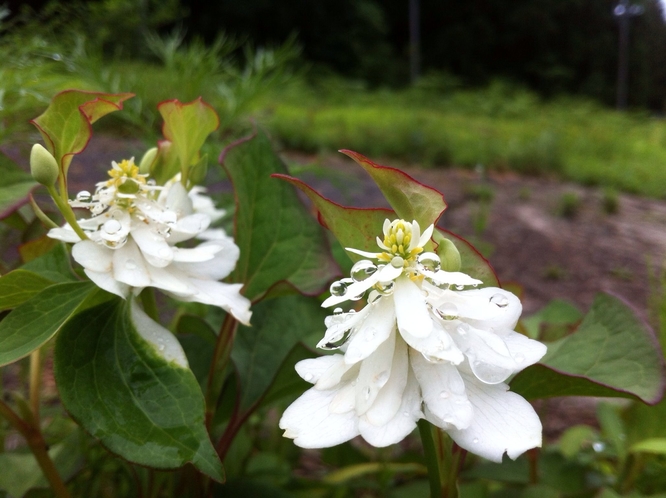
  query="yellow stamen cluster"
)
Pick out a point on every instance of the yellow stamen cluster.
point(397, 238)
point(123, 171)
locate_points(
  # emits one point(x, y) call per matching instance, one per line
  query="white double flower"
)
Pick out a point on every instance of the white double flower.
point(427, 345)
point(132, 241)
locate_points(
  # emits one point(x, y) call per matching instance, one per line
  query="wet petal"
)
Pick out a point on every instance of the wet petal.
point(221, 265)
point(438, 345)
point(524, 351)
point(443, 391)
point(105, 280)
point(226, 296)
point(129, 267)
point(376, 328)
point(93, 257)
point(503, 422)
point(66, 234)
point(154, 246)
point(442, 277)
point(410, 309)
point(312, 369)
point(425, 237)
point(164, 342)
point(188, 227)
point(374, 373)
point(371, 255)
point(489, 357)
point(309, 422)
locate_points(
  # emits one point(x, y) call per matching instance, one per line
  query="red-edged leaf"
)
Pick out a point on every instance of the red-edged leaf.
point(187, 126)
point(410, 199)
point(353, 227)
point(65, 126)
point(473, 263)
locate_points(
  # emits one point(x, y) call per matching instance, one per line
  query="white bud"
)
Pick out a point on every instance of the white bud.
point(43, 166)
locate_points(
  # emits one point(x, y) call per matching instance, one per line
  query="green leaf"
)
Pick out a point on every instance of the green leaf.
point(121, 390)
point(21, 472)
point(35, 321)
point(410, 199)
point(54, 264)
point(15, 188)
point(612, 353)
point(187, 126)
point(259, 351)
point(65, 126)
point(278, 239)
point(645, 421)
point(198, 341)
point(553, 321)
point(472, 262)
point(655, 445)
point(18, 286)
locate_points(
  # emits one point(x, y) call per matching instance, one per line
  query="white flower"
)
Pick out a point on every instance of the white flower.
point(132, 242)
point(425, 346)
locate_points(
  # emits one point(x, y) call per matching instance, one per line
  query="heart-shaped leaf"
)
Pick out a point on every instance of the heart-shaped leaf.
point(66, 127)
point(35, 321)
point(278, 239)
point(115, 380)
point(612, 353)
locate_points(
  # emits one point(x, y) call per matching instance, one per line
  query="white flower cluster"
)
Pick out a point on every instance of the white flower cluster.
point(132, 239)
point(427, 345)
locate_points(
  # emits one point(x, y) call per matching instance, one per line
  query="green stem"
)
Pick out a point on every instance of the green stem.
point(35, 383)
point(149, 303)
point(35, 440)
point(221, 355)
point(67, 212)
point(443, 463)
point(48, 222)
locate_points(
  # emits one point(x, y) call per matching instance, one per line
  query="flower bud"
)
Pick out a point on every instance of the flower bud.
point(449, 255)
point(147, 161)
point(43, 166)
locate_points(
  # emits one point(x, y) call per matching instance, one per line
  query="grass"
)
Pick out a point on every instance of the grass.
point(498, 127)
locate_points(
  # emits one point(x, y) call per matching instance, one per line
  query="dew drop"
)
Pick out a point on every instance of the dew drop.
point(475, 440)
point(598, 446)
point(151, 182)
point(448, 311)
point(444, 394)
point(164, 253)
point(397, 262)
point(338, 289)
point(83, 196)
point(385, 288)
point(462, 329)
point(519, 357)
point(308, 377)
point(460, 287)
point(130, 264)
point(429, 261)
point(362, 270)
point(337, 311)
point(499, 300)
point(111, 226)
point(161, 347)
point(405, 414)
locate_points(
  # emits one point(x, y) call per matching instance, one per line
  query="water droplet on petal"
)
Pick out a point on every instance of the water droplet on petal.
point(308, 377)
point(111, 226)
point(444, 394)
point(429, 261)
point(500, 300)
point(385, 288)
point(161, 347)
point(448, 311)
point(382, 377)
point(362, 270)
point(462, 329)
point(519, 357)
point(405, 414)
point(475, 440)
point(397, 262)
point(130, 264)
point(337, 311)
point(338, 289)
point(83, 196)
point(164, 252)
point(460, 287)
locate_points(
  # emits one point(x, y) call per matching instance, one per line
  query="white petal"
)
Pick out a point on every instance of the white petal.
point(344, 400)
point(104, 280)
point(337, 325)
point(489, 357)
point(443, 390)
point(188, 227)
point(201, 253)
point(310, 423)
point(66, 234)
point(451, 278)
point(402, 423)
point(374, 374)
point(438, 345)
point(391, 396)
point(503, 422)
point(335, 374)
point(154, 246)
point(178, 200)
point(525, 351)
point(165, 343)
point(376, 328)
point(372, 255)
point(312, 369)
point(425, 237)
point(92, 256)
point(355, 289)
point(416, 235)
point(214, 234)
point(170, 279)
point(226, 296)
point(410, 308)
point(129, 267)
point(217, 268)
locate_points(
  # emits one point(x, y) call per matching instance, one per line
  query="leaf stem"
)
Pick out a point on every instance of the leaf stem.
point(35, 440)
point(442, 459)
point(35, 384)
point(67, 212)
point(48, 222)
point(221, 355)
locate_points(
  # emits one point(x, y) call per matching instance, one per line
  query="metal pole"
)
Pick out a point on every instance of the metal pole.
point(414, 40)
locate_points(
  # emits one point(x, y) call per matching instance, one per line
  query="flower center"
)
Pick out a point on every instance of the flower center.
point(125, 177)
point(400, 244)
